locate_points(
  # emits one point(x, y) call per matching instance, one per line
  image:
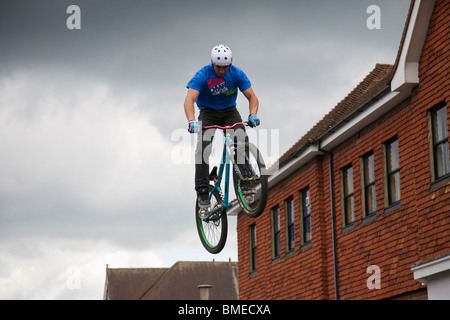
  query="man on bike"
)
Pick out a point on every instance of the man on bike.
point(214, 89)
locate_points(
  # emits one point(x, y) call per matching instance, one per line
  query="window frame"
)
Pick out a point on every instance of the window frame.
point(388, 174)
point(434, 144)
point(346, 195)
point(305, 203)
point(276, 239)
point(368, 187)
point(290, 224)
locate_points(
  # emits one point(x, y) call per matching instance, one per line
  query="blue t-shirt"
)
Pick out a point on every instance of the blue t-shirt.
point(215, 92)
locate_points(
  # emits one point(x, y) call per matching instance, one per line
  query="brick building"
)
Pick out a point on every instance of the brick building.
point(360, 205)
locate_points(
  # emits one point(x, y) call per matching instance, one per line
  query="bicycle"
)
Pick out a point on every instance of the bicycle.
point(250, 186)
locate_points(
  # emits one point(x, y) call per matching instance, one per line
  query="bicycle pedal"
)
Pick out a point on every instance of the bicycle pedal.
point(203, 213)
point(249, 198)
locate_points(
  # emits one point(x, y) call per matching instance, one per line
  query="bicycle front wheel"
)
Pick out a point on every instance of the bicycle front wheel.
point(252, 191)
point(212, 224)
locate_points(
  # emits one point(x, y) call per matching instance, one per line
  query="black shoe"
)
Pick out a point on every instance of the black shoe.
point(203, 198)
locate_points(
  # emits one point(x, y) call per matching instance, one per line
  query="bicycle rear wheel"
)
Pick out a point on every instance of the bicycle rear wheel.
point(212, 226)
point(255, 176)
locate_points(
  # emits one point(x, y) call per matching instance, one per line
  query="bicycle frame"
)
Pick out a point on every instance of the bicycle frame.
point(225, 165)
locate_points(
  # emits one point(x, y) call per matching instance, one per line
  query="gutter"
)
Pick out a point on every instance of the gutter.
point(357, 112)
point(365, 115)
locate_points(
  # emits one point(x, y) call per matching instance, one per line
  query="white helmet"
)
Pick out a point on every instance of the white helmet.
point(221, 55)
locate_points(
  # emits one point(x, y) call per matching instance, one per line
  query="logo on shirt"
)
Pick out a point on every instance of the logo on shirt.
point(217, 86)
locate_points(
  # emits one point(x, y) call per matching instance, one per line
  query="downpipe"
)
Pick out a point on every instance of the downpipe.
point(333, 221)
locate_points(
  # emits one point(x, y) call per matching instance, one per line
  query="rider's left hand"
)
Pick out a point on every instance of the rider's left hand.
point(253, 121)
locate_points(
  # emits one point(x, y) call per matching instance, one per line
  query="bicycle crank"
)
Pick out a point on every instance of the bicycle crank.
point(210, 214)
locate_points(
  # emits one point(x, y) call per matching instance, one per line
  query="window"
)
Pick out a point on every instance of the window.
point(392, 178)
point(348, 197)
point(440, 151)
point(368, 185)
point(252, 254)
point(290, 229)
point(305, 216)
point(275, 213)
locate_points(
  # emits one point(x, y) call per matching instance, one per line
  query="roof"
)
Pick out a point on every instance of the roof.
point(129, 283)
point(365, 92)
point(176, 283)
point(373, 84)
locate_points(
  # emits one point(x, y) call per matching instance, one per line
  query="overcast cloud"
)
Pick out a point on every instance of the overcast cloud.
point(92, 121)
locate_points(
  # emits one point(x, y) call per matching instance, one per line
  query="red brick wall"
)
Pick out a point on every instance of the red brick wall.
point(433, 205)
point(390, 240)
point(418, 229)
point(273, 279)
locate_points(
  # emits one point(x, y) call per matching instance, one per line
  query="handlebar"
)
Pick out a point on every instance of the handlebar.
point(226, 127)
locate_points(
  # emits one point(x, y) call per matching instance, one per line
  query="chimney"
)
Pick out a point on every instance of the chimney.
point(204, 291)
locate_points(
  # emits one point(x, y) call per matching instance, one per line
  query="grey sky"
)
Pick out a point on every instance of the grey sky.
point(87, 173)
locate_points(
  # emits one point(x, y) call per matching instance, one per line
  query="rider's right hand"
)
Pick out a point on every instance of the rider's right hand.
point(194, 127)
